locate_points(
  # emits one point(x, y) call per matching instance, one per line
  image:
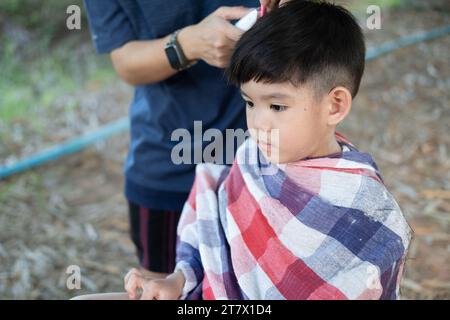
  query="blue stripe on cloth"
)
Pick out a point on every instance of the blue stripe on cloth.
point(210, 235)
point(187, 253)
point(361, 157)
point(353, 229)
point(294, 197)
point(368, 239)
point(230, 279)
point(291, 195)
point(330, 258)
point(273, 183)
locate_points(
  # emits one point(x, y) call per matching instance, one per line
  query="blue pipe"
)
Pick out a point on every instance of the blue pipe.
point(78, 143)
point(67, 147)
point(402, 42)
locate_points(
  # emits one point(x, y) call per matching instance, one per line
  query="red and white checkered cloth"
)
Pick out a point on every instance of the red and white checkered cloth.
point(321, 228)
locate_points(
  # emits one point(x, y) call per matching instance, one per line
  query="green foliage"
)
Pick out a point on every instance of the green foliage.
point(44, 18)
point(52, 62)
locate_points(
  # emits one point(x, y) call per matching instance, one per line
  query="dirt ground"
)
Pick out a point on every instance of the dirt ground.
point(72, 211)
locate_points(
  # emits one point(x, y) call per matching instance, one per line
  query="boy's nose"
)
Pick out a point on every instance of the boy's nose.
point(261, 121)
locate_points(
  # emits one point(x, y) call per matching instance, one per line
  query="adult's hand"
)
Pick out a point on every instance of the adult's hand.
point(272, 4)
point(214, 38)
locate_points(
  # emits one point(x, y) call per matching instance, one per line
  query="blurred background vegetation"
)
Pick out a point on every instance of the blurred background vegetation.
point(41, 60)
point(53, 87)
point(34, 41)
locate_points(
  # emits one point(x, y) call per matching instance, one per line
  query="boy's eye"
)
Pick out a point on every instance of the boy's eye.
point(277, 107)
point(249, 104)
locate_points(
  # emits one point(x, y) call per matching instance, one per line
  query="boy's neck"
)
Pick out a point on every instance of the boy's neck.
point(329, 146)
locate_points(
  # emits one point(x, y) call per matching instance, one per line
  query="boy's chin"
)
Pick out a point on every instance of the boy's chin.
point(280, 158)
point(273, 155)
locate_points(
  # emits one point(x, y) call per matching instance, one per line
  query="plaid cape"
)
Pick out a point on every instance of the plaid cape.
point(319, 228)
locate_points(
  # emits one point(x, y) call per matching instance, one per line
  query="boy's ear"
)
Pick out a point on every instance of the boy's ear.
point(340, 104)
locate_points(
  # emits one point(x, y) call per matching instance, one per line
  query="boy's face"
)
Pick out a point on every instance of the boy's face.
point(301, 120)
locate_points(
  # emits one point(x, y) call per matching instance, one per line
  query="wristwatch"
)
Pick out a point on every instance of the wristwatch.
point(175, 54)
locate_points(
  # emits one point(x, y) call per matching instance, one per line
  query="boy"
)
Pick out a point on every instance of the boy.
point(319, 224)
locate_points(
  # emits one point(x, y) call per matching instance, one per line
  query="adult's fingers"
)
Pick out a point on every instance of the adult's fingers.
point(233, 33)
point(232, 13)
point(264, 2)
point(269, 4)
point(272, 4)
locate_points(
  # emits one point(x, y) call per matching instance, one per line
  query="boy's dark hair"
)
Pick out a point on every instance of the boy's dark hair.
point(302, 42)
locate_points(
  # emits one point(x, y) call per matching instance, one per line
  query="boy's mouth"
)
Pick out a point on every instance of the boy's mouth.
point(264, 145)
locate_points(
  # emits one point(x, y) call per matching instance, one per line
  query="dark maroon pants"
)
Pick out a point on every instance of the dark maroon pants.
point(154, 234)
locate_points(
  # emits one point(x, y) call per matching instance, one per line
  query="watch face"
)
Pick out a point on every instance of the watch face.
point(172, 56)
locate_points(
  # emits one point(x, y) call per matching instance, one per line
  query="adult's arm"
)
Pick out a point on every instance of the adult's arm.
point(211, 40)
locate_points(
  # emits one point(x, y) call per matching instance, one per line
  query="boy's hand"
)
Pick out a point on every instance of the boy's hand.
point(169, 288)
point(214, 38)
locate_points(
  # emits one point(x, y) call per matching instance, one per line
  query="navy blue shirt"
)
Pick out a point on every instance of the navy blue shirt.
point(199, 93)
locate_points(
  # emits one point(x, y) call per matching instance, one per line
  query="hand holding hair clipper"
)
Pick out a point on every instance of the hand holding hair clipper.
point(249, 19)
